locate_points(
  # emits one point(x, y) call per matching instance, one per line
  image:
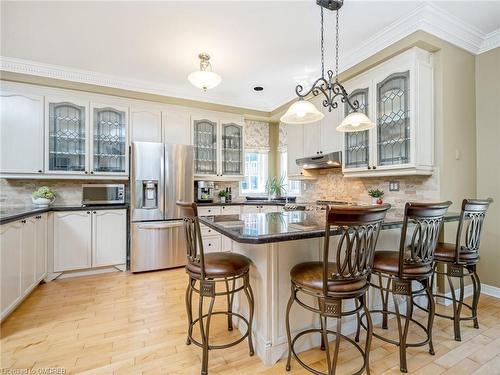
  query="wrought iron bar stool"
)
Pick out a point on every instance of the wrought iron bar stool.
point(413, 262)
point(461, 259)
point(330, 283)
point(209, 270)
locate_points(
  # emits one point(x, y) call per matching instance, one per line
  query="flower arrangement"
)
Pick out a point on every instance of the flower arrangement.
point(376, 195)
point(43, 196)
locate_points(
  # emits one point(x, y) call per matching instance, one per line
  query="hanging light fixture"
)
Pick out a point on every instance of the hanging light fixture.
point(204, 78)
point(330, 87)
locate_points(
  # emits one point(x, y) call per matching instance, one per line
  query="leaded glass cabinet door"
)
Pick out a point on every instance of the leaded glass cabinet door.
point(67, 137)
point(232, 149)
point(109, 149)
point(357, 144)
point(393, 120)
point(205, 147)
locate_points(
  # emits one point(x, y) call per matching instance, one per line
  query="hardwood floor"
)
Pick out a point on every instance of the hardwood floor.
point(136, 324)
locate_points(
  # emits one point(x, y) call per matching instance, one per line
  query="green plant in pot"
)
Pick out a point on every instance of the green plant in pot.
point(377, 196)
point(275, 187)
point(43, 196)
point(223, 196)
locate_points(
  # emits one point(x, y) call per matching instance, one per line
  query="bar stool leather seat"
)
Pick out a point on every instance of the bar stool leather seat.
point(224, 264)
point(445, 252)
point(388, 262)
point(309, 275)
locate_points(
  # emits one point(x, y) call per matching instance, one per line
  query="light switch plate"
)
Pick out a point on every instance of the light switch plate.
point(393, 185)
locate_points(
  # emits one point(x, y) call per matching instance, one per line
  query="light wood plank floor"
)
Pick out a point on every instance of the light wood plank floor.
point(135, 324)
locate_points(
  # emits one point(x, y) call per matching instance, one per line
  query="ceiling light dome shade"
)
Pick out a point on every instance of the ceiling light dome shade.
point(204, 80)
point(302, 112)
point(355, 122)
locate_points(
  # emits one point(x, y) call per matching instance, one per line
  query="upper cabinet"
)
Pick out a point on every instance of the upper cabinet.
point(398, 97)
point(145, 124)
point(176, 126)
point(21, 129)
point(218, 148)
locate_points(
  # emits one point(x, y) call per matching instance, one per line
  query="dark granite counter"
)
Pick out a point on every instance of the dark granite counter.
point(285, 226)
point(246, 203)
point(13, 213)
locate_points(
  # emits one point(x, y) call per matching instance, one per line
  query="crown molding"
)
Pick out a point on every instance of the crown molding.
point(491, 41)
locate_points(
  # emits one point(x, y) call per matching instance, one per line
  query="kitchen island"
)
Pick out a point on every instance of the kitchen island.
point(275, 242)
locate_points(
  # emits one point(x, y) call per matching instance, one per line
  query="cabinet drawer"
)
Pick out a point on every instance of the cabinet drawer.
point(209, 210)
point(268, 209)
point(207, 231)
point(230, 210)
point(212, 244)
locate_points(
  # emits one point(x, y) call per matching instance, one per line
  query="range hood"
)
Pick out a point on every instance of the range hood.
point(330, 160)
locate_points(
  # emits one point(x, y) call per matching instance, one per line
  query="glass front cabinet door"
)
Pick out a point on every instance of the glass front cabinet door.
point(232, 149)
point(357, 144)
point(108, 148)
point(205, 147)
point(66, 141)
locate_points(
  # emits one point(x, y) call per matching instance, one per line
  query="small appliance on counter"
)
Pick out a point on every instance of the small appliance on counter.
point(103, 194)
point(204, 191)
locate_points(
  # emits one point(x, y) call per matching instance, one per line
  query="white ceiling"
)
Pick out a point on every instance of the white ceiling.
point(153, 46)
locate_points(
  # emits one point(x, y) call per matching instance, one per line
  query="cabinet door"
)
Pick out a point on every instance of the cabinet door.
point(176, 127)
point(67, 132)
point(145, 125)
point(269, 209)
point(357, 144)
point(232, 149)
point(10, 251)
point(109, 237)
point(247, 209)
point(393, 120)
point(21, 127)
point(330, 138)
point(72, 240)
point(28, 254)
point(212, 244)
point(109, 146)
point(41, 247)
point(205, 147)
point(311, 139)
point(295, 147)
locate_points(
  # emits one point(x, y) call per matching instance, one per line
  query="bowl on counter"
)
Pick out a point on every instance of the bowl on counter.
point(42, 202)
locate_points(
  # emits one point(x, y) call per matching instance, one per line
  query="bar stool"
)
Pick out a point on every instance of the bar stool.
point(209, 270)
point(330, 283)
point(461, 258)
point(413, 262)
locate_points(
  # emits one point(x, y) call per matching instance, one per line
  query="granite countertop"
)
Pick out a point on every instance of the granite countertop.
point(285, 226)
point(13, 213)
point(246, 203)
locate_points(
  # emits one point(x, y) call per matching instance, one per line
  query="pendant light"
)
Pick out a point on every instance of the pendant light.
point(204, 78)
point(330, 87)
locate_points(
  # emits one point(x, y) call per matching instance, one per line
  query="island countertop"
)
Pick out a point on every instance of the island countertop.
point(261, 228)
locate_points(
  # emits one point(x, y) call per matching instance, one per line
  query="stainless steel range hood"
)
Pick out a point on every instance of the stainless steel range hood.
point(330, 160)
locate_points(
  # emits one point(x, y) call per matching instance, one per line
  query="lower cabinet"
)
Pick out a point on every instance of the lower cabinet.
point(87, 239)
point(23, 253)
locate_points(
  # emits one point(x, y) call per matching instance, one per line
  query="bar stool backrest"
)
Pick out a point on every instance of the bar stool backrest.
point(194, 245)
point(428, 219)
point(470, 226)
point(359, 227)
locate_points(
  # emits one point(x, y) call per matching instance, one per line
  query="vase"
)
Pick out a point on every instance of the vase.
point(377, 201)
point(42, 202)
point(223, 199)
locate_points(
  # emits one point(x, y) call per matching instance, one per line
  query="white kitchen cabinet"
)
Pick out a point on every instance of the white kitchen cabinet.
point(22, 132)
point(230, 210)
point(399, 96)
point(270, 208)
point(28, 253)
point(72, 240)
point(212, 244)
point(312, 140)
point(257, 209)
point(145, 124)
point(41, 247)
point(10, 255)
point(176, 125)
point(247, 209)
point(330, 138)
point(109, 237)
point(209, 210)
point(295, 149)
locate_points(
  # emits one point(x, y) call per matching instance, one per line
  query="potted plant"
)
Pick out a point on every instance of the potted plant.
point(376, 195)
point(43, 196)
point(275, 187)
point(223, 195)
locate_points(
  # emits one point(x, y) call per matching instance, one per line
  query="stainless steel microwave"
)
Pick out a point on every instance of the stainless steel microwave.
point(103, 194)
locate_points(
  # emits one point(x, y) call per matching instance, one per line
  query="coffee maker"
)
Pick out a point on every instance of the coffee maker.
point(204, 191)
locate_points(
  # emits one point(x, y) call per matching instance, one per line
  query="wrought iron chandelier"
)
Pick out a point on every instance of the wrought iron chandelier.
point(303, 111)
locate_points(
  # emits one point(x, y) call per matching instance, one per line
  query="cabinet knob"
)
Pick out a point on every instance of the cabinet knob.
point(374, 167)
point(23, 221)
point(369, 167)
point(88, 212)
point(95, 212)
point(92, 172)
point(39, 171)
point(86, 172)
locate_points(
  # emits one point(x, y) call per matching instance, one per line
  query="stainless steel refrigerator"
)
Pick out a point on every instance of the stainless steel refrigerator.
point(161, 174)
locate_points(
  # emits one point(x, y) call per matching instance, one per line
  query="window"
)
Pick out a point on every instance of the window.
point(255, 173)
point(292, 187)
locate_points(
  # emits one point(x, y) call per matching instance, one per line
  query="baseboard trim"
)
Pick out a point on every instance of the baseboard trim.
point(490, 290)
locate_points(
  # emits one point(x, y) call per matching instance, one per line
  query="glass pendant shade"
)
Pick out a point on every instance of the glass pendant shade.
point(355, 122)
point(204, 80)
point(302, 112)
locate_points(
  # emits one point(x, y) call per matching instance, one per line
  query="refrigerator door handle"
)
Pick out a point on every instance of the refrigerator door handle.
point(161, 226)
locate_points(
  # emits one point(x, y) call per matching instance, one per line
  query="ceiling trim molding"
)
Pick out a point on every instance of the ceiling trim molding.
point(428, 18)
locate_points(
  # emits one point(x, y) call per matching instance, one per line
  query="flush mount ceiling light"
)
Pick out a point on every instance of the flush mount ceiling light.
point(204, 78)
point(302, 113)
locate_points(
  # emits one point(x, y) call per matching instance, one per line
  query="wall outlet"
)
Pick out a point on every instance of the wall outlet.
point(393, 185)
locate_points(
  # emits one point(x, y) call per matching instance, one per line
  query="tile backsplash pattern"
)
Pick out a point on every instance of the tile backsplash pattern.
point(332, 185)
point(18, 192)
